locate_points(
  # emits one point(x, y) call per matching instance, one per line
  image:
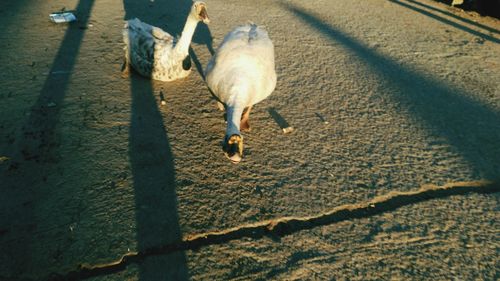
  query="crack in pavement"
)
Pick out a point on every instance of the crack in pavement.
point(284, 226)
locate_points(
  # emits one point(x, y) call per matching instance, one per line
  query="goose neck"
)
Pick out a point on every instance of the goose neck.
point(182, 46)
point(233, 120)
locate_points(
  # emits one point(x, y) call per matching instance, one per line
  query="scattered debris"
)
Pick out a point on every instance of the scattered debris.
point(479, 40)
point(62, 17)
point(162, 99)
point(322, 118)
point(280, 121)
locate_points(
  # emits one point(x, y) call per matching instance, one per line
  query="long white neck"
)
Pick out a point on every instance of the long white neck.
point(233, 120)
point(236, 101)
point(182, 47)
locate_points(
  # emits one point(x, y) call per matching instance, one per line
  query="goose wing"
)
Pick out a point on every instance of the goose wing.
point(141, 39)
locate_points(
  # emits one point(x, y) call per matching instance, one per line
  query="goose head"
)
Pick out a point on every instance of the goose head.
point(233, 148)
point(199, 11)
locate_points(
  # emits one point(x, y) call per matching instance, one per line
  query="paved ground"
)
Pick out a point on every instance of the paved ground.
point(386, 97)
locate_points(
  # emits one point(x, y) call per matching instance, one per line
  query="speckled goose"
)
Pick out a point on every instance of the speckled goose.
point(240, 75)
point(154, 53)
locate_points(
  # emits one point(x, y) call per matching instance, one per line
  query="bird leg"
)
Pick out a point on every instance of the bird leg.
point(244, 124)
point(220, 106)
point(125, 66)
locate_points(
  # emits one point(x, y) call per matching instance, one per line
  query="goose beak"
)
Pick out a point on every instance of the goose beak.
point(204, 16)
point(233, 148)
point(201, 11)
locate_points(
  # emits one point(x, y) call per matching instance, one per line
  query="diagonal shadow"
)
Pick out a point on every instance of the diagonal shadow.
point(447, 21)
point(197, 63)
point(202, 36)
point(154, 185)
point(36, 146)
point(485, 27)
point(39, 130)
point(151, 156)
point(483, 7)
point(471, 128)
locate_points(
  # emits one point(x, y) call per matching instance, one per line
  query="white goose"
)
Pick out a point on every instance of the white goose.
point(241, 74)
point(154, 53)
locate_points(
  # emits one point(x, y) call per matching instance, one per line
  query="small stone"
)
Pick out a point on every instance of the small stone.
point(479, 40)
point(51, 104)
point(322, 118)
point(162, 98)
point(288, 130)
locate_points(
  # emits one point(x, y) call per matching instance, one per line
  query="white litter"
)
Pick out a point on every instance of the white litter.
point(62, 17)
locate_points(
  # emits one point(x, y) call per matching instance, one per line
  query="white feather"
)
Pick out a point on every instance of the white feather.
point(242, 72)
point(240, 75)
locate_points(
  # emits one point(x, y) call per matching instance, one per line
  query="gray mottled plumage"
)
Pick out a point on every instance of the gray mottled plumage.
point(154, 53)
point(151, 52)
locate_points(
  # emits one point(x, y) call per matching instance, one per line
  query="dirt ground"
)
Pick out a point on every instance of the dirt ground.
point(386, 97)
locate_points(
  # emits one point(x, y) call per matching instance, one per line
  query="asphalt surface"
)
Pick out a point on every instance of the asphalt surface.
point(386, 97)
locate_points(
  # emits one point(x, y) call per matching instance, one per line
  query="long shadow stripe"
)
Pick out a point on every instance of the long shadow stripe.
point(449, 22)
point(470, 127)
point(487, 28)
point(36, 145)
point(151, 158)
point(38, 140)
